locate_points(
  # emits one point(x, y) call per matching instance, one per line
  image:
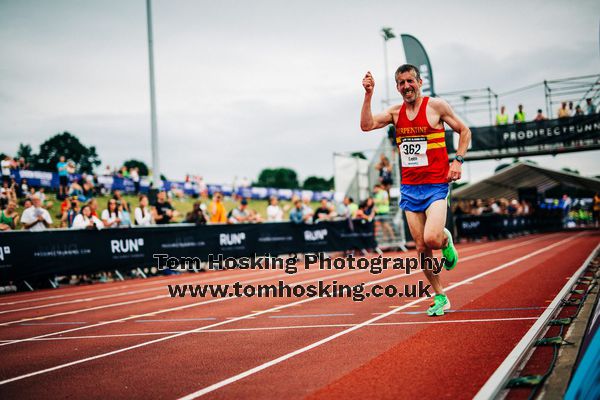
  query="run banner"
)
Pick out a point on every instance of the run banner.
point(29, 255)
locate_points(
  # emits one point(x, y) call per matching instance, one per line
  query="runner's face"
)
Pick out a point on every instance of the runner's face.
point(408, 86)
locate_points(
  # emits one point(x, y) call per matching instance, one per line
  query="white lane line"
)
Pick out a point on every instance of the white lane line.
point(277, 328)
point(108, 296)
point(177, 319)
point(179, 308)
point(52, 323)
point(248, 316)
point(304, 349)
point(309, 315)
point(104, 306)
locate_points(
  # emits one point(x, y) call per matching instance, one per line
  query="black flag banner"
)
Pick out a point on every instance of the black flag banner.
point(416, 55)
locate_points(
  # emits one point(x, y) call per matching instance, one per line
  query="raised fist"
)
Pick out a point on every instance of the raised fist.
point(368, 82)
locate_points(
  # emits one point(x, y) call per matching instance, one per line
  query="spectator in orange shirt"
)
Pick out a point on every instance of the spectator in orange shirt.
point(218, 215)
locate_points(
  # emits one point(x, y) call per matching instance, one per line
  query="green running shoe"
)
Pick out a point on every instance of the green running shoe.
point(450, 253)
point(440, 304)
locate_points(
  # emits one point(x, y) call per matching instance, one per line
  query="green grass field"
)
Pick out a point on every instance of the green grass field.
point(183, 205)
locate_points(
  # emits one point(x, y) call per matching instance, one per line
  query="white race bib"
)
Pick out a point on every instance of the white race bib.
point(413, 152)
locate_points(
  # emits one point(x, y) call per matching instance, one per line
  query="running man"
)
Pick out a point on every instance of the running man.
point(425, 169)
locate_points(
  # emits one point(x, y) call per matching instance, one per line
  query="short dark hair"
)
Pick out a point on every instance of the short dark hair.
point(406, 68)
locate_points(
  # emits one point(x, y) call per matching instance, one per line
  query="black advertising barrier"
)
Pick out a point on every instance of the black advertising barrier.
point(494, 225)
point(564, 130)
point(25, 255)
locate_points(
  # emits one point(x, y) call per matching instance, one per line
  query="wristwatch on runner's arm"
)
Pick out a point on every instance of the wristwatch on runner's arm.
point(460, 159)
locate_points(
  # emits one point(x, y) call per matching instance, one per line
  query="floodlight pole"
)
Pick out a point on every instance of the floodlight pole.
point(387, 78)
point(155, 164)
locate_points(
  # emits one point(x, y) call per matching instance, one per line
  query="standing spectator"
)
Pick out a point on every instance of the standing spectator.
point(85, 220)
point(297, 213)
point(502, 118)
point(111, 217)
point(274, 211)
point(571, 111)
point(578, 111)
point(7, 165)
point(563, 111)
point(591, 108)
point(63, 177)
point(352, 206)
point(519, 117)
point(239, 214)
point(36, 218)
point(142, 214)
point(163, 211)
point(540, 116)
point(596, 209)
point(9, 218)
point(216, 209)
point(134, 174)
point(196, 216)
point(385, 172)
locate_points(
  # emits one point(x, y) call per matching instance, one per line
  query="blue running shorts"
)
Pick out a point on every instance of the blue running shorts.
point(417, 198)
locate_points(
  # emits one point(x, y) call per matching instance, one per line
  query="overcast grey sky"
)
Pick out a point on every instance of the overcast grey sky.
point(242, 86)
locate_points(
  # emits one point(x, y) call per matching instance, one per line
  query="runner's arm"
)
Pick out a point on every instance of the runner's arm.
point(448, 116)
point(368, 121)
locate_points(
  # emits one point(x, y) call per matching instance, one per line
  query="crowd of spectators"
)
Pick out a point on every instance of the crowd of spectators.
point(502, 206)
point(566, 110)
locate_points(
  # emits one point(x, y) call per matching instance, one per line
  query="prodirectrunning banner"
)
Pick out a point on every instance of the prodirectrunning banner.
point(27, 255)
point(564, 130)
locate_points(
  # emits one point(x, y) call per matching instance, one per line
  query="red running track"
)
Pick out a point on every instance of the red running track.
point(130, 340)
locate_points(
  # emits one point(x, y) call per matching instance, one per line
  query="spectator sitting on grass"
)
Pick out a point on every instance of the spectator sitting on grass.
point(9, 218)
point(324, 212)
point(24, 188)
point(274, 211)
point(41, 193)
point(163, 211)
point(239, 214)
point(143, 215)
point(85, 220)
point(196, 216)
point(126, 216)
point(216, 209)
point(16, 188)
point(297, 213)
point(111, 217)
point(93, 203)
point(36, 218)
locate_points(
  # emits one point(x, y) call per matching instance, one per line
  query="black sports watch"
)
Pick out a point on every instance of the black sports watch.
point(460, 159)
